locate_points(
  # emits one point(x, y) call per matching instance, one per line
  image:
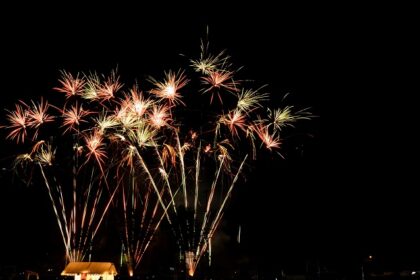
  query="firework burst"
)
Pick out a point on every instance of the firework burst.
point(137, 153)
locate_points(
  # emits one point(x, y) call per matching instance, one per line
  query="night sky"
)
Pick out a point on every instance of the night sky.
point(329, 205)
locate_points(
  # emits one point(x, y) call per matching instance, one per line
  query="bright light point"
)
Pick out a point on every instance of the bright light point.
point(162, 171)
point(170, 90)
point(139, 107)
point(207, 148)
point(413, 273)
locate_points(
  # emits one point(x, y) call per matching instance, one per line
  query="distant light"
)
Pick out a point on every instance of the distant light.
point(413, 273)
point(370, 257)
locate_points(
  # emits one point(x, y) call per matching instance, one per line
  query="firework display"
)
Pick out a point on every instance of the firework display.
point(167, 149)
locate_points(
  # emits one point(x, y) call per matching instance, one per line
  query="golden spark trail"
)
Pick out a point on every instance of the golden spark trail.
point(146, 169)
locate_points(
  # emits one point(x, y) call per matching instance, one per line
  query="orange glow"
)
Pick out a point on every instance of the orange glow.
point(168, 89)
point(190, 263)
point(17, 123)
point(70, 85)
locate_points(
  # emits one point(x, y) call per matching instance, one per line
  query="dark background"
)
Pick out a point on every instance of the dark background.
point(333, 206)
